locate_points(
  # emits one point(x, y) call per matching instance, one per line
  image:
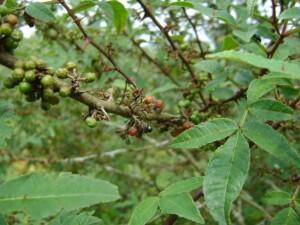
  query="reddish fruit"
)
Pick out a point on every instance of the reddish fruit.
point(132, 131)
point(159, 105)
point(148, 100)
point(187, 125)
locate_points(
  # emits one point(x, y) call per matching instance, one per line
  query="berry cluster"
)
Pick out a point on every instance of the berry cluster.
point(10, 35)
point(37, 81)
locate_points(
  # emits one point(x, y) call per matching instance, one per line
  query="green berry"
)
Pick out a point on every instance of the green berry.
point(62, 73)
point(47, 81)
point(50, 71)
point(195, 117)
point(71, 65)
point(40, 64)
point(65, 91)
point(184, 103)
point(6, 29)
point(17, 35)
point(19, 64)
point(30, 76)
point(9, 83)
point(48, 93)
point(45, 105)
point(18, 75)
point(3, 10)
point(90, 77)
point(91, 122)
point(25, 87)
point(29, 65)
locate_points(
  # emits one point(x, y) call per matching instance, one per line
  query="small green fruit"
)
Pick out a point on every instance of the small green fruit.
point(19, 64)
point(6, 29)
point(90, 77)
point(195, 117)
point(91, 122)
point(25, 87)
point(17, 35)
point(184, 103)
point(47, 81)
point(50, 71)
point(65, 91)
point(3, 10)
point(48, 93)
point(62, 73)
point(40, 64)
point(71, 65)
point(18, 75)
point(9, 83)
point(30, 76)
point(29, 65)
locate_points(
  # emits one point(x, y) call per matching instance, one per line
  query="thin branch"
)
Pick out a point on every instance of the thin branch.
point(168, 37)
point(93, 43)
point(193, 25)
point(274, 17)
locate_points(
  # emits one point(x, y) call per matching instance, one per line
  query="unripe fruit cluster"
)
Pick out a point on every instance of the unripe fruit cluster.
point(10, 36)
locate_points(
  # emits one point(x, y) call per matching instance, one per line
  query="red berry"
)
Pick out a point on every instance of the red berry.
point(187, 125)
point(159, 105)
point(132, 131)
point(148, 100)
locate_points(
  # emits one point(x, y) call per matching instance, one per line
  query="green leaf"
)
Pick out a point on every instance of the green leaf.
point(290, 13)
point(84, 5)
point(245, 35)
point(144, 211)
point(277, 198)
point(11, 4)
point(209, 66)
point(225, 176)
point(230, 43)
point(40, 11)
point(2, 220)
point(267, 109)
point(260, 87)
point(120, 15)
point(41, 195)
point(220, 14)
point(272, 142)
point(291, 69)
point(181, 205)
point(74, 218)
point(204, 133)
point(182, 4)
point(183, 186)
point(286, 216)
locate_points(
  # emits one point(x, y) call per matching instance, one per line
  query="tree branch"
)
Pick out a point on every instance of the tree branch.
point(168, 37)
point(92, 101)
point(93, 43)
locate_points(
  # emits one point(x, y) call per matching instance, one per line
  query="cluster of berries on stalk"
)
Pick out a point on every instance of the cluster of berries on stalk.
point(37, 81)
point(10, 35)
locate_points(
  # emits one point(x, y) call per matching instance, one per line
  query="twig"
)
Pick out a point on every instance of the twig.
point(168, 37)
point(93, 43)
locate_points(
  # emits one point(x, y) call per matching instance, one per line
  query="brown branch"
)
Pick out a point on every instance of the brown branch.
point(168, 37)
point(193, 25)
point(92, 101)
point(274, 17)
point(172, 218)
point(93, 43)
